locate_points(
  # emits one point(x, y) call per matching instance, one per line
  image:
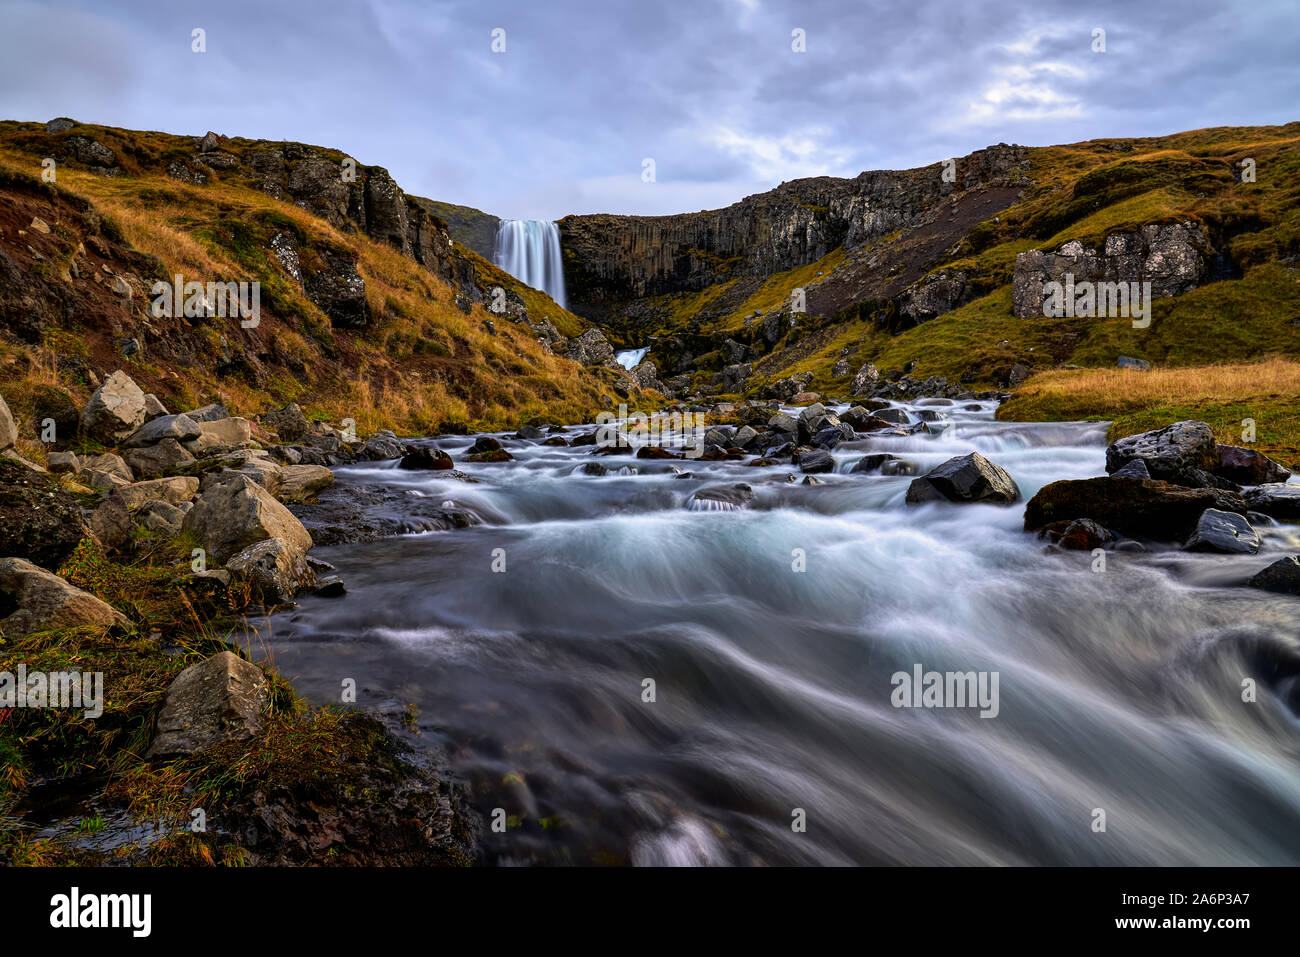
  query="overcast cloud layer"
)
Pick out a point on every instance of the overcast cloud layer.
point(711, 90)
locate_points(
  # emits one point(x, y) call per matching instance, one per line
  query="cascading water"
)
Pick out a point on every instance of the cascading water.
point(772, 632)
point(529, 249)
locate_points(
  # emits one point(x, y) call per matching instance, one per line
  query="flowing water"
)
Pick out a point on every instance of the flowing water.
point(529, 249)
point(630, 358)
point(1119, 690)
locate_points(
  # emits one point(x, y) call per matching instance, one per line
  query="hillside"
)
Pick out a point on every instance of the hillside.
point(368, 309)
point(906, 270)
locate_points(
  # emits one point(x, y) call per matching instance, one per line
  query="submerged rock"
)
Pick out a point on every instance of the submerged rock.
point(426, 458)
point(724, 498)
point(965, 478)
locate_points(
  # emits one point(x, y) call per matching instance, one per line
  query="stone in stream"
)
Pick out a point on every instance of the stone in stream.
point(1139, 508)
point(530, 432)
point(894, 416)
point(1283, 576)
point(873, 462)
point(965, 478)
point(1276, 499)
point(1081, 534)
point(275, 570)
point(1225, 532)
point(1182, 453)
point(425, 458)
point(813, 461)
point(1248, 467)
point(223, 698)
point(34, 599)
point(722, 498)
point(380, 447)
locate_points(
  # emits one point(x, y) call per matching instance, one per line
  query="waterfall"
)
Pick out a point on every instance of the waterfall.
point(529, 249)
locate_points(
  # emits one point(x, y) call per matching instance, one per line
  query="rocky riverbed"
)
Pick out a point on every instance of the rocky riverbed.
point(635, 657)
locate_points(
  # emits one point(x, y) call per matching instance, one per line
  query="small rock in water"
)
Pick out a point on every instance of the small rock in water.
point(1225, 532)
point(1282, 576)
point(965, 478)
point(722, 498)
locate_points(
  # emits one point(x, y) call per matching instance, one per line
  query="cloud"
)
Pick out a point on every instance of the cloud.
point(712, 90)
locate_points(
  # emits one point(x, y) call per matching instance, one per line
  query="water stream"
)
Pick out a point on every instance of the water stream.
point(1119, 690)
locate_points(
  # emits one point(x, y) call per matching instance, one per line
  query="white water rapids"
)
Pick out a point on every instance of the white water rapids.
point(1120, 691)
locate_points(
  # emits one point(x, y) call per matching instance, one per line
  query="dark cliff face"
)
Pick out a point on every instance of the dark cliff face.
point(611, 259)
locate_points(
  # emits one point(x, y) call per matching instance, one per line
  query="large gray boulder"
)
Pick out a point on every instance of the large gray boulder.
point(155, 461)
point(868, 378)
point(42, 601)
point(381, 446)
point(115, 410)
point(179, 427)
point(1183, 453)
point(965, 478)
point(298, 483)
point(235, 512)
point(1141, 508)
point(223, 698)
point(592, 349)
point(175, 491)
point(274, 569)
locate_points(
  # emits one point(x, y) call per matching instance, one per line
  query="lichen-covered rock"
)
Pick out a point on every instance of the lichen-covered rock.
point(38, 600)
point(1183, 453)
point(223, 698)
point(275, 570)
point(235, 512)
point(115, 410)
point(39, 521)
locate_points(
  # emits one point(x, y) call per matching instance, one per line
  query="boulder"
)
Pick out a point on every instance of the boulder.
point(235, 512)
point(153, 408)
point(815, 461)
point(160, 518)
point(223, 698)
point(298, 483)
point(110, 523)
point(63, 462)
point(1248, 467)
point(1141, 508)
point(965, 478)
point(722, 498)
point(155, 461)
point(1225, 532)
point(230, 432)
point(485, 443)
point(1134, 469)
point(894, 416)
point(1182, 453)
point(39, 600)
point(39, 520)
point(174, 490)
point(110, 463)
point(380, 447)
point(115, 410)
point(591, 348)
point(867, 378)
point(426, 458)
point(1276, 499)
point(8, 428)
point(209, 413)
point(291, 425)
point(1282, 576)
point(179, 427)
point(275, 570)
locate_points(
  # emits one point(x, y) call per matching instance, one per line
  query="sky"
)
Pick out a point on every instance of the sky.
point(562, 116)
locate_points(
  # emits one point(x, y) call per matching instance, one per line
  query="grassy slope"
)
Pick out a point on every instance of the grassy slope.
point(423, 365)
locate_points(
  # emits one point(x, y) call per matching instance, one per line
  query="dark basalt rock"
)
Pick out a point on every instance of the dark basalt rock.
point(346, 514)
point(1248, 467)
point(967, 479)
point(873, 462)
point(723, 497)
point(813, 461)
point(1141, 508)
point(426, 458)
point(1283, 576)
point(1082, 534)
point(1224, 532)
point(1182, 453)
point(39, 521)
point(1276, 499)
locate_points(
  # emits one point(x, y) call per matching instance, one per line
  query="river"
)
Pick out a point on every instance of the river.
point(1120, 690)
